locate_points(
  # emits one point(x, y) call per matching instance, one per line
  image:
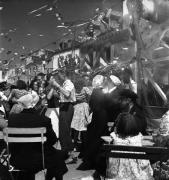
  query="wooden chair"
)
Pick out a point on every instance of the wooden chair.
point(9, 137)
point(153, 154)
point(3, 151)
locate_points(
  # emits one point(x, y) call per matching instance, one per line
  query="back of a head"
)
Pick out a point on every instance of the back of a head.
point(98, 81)
point(20, 84)
point(127, 125)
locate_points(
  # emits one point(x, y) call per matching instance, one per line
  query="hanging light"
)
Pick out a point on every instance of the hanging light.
point(57, 14)
point(59, 18)
point(114, 62)
point(38, 15)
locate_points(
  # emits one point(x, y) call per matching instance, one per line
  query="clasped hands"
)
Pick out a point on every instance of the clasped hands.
point(54, 83)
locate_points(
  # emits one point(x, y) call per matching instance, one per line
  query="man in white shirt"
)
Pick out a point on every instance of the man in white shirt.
point(67, 98)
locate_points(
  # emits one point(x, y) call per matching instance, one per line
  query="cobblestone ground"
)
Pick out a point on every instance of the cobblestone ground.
point(72, 174)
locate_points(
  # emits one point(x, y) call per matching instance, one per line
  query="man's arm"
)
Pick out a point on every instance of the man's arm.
point(3, 123)
point(62, 90)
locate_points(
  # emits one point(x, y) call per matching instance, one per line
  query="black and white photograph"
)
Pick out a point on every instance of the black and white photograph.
point(84, 89)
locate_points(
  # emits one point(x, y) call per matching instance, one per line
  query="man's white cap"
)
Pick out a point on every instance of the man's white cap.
point(116, 81)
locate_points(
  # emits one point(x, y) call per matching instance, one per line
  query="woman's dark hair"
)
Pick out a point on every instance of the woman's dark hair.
point(48, 76)
point(21, 85)
point(127, 125)
point(32, 83)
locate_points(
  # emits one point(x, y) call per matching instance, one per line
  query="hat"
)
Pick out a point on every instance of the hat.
point(98, 81)
point(26, 101)
point(116, 81)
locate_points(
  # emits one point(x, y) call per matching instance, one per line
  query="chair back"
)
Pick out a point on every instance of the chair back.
point(9, 134)
point(134, 152)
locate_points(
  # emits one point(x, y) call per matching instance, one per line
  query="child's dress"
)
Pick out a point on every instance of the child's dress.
point(129, 169)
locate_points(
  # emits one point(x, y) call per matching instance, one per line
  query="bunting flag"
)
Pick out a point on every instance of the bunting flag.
point(36, 10)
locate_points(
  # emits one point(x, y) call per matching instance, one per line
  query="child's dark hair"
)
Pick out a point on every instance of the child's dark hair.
point(127, 125)
point(20, 84)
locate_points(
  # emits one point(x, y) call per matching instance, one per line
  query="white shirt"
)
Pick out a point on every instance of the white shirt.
point(68, 86)
point(3, 97)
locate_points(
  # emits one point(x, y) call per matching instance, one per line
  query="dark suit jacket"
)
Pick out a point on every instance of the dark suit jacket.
point(28, 155)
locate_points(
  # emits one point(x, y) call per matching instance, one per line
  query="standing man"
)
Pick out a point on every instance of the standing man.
point(67, 98)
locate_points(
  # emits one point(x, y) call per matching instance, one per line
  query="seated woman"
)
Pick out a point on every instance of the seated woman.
point(127, 132)
point(18, 92)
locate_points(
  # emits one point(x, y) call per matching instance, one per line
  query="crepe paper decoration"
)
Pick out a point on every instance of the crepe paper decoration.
point(38, 15)
point(49, 9)
point(57, 14)
point(33, 11)
point(97, 9)
point(78, 25)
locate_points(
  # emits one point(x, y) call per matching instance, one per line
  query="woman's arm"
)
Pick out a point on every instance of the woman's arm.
point(11, 97)
point(50, 94)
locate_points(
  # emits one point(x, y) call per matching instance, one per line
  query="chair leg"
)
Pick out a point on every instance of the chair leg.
point(3, 157)
point(159, 176)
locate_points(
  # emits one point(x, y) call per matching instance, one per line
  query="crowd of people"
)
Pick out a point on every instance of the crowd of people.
point(76, 114)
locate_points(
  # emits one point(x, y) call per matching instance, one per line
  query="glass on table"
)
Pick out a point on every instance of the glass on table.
point(107, 139)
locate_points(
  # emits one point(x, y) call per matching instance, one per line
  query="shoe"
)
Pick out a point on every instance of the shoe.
point(71, 160)
point(80, 156)
point(96, 176)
